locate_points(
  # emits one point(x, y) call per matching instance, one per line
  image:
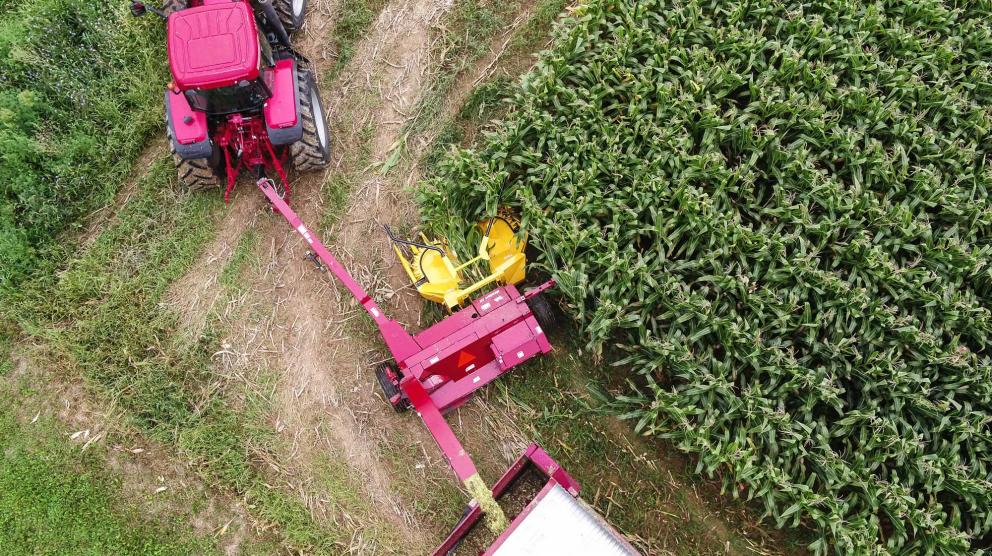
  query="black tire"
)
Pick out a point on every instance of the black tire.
point(291, 13)
point(170, 6)
point(313, 151)
point(544, 313)
point(196, 174)
point(389, 389)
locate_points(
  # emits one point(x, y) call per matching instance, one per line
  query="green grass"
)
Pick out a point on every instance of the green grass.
point(433, 494)
point(103, 318)
point(80, 95)
point(537, 31)
point(241, 262)
point(464, 37)
point(339, 185)
point(476, 26)
point(55, 499)
point(485, 102)
point(356, 17)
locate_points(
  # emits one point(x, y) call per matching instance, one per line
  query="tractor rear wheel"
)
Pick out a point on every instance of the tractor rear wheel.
point(291, 13)
point(313, 151)
point(174, 6)
point(196, 174)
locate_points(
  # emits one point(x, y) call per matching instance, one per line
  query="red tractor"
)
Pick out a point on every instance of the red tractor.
point(241, 97)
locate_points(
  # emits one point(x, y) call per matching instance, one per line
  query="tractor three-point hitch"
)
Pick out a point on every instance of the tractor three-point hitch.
point(241, 98)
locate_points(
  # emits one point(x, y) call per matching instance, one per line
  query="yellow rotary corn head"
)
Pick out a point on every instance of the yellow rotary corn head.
point(434, 269)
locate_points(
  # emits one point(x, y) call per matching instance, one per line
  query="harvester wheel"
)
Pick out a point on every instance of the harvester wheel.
point(291, 13)
point(170, 6)
point(389, 388)
point(544, 313)
point(313, 151)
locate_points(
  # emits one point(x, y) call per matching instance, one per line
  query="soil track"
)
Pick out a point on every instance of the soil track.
point(299, 325)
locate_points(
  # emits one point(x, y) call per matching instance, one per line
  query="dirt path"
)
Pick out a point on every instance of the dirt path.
point(317, 341)
point(296, 321)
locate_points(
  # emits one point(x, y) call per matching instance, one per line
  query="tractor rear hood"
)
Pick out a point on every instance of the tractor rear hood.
point(215, 45)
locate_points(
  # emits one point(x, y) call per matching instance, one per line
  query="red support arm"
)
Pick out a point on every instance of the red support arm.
point(399, 342)
point(452, 449)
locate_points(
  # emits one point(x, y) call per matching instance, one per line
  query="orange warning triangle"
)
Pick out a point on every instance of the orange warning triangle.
point(464, 358)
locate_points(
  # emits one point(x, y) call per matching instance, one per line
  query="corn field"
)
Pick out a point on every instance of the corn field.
point(774, 214)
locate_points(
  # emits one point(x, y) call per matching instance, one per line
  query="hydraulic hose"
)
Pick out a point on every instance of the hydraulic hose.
point(273, 19)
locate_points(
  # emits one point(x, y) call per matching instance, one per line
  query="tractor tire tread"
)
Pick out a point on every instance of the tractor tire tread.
point(389, 389)
point(284, 9)
point(195, 174)
point(307, 154)
point(170, 6)
point(544, 313)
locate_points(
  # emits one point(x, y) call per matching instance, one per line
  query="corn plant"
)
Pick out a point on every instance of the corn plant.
point(778, 211)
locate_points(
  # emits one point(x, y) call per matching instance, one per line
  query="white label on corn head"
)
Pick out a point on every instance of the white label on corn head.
point(498, 299)
point(469, 368)
point(476, 379)
point(537, 329)
point(375, 312)
point(435, 359)
point(486, 306)
point(520, 355)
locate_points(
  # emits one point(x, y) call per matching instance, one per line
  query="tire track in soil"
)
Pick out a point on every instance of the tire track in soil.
point(298, 323)
point(335, 372)
point(199, 291)
point(326, 401)
point(328, 386)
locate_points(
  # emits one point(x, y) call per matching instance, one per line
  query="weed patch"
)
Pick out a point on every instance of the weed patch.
point(79, 95)
point(104, 318)
point(357, 16)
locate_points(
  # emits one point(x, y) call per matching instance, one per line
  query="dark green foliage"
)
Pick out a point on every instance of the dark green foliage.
point(78, 97)
point(778, 211)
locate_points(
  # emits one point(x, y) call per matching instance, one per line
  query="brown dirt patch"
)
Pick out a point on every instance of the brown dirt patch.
point(197, 293)
point(298, 323)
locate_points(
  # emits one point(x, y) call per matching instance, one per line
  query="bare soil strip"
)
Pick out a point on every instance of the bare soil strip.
point(325, 405)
